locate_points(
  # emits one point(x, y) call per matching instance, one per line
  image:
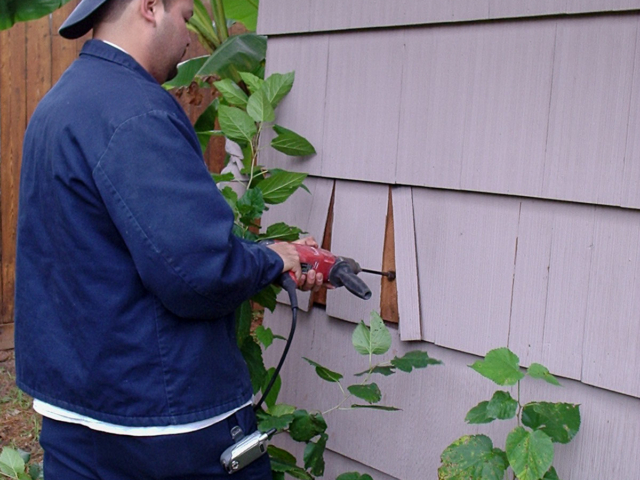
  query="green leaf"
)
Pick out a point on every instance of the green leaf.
point(323, 372)
point(540, 371)
point(253, 356)
point(11, 463)
point(314, 455)
point(268, 298)
point(551, 475)
point(354, 476)
point(36, 472)
point(231, 92)
point(271, 399)
point(290, 143)
point(253, 82)
point(13, 11)
point(478, 414)
point(372, 341)
point(414, 359)
point(530, 454)
point(472, 457)
point(201, 24)
point(502, 406)
point(282, 409)
point(560, 421)
point(280, 186)
point(377, 407)
point(251, 205)
point(283, 461)
point(264, 336)
point(187, 71)
point(244, 53)
point(259, 108)
point(236, 124)
point(243, 11)
point(243, 323)
point(225, 177)
point(269, 422)
point(382, 370)
point(306, 425)
point(231, 197)
point(369, 393)
point(277, 85)
point(281, 231)
point(501, 366)
point(281, 455)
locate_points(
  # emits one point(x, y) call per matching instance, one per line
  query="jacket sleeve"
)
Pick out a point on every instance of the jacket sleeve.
point(175, 222)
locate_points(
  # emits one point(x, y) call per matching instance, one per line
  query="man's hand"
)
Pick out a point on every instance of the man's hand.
point(309, 281)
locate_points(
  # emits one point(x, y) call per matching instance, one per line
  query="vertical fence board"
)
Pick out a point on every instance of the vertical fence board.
point(63, 51)
point(406, 264)
point(38, 38)
point(13, 63)
point(358, 232)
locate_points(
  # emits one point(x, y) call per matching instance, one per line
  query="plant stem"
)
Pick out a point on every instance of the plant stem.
point(220, 19)
point(519, 412)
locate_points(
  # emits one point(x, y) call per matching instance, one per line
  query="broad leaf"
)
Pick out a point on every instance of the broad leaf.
point(268, 298)
point(272, 397)
point(414, 359)
point(241, 52)
point(283, 461)
point(530, 454)
point(551, 475)
point(282, 409)
point(224, 177)
point(253, 356)
point(374, 340)
point(251, 205)
point(354, 476)
point(369, 393)
point(324, 373)
point(11, 463)
point(281, 231)
point(200, 23)
point(277, 85)
point(206, 124)
point(187, 71)
point(243, 11)
point(478, 414)
point(252, 81)
point(306, 425)
point(502, 406)
point(377, 407)
point(560, 421)
point(472, 457)
point(13, 11)
point(280, 186)
point(314, 455)
point(259, 108)
point(236, 124)
point(540, 371)
point(290, 143)
point(36, 472)
point(264, 336)
point(230, 196)
point(500, 365)
point(269, 422)
point(382, 370)
point(231, 92)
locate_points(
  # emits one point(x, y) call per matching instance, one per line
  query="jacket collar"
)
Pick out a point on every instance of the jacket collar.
point(104, 51)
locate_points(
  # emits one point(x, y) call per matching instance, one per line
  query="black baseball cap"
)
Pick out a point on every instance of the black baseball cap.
point(81, 19)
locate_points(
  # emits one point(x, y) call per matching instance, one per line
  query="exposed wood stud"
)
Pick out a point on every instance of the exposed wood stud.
point(389, 290)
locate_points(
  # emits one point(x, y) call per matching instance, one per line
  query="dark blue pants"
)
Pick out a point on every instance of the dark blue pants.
point(74, 452)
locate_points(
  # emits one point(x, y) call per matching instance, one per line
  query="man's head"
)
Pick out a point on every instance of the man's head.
point(152, 31)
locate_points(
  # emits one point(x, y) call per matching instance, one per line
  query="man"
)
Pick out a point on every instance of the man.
point(127, 272)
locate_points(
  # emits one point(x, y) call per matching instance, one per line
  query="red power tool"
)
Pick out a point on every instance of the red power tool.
point(336, 271)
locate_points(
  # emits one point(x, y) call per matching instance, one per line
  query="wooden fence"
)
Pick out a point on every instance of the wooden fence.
point(32, 58)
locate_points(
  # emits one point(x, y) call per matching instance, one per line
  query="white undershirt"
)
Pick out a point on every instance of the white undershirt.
point(62, 415)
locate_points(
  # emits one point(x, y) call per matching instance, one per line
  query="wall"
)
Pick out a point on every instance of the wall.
point(502, 138)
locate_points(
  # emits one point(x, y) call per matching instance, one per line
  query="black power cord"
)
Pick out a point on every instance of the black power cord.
point(289, 284)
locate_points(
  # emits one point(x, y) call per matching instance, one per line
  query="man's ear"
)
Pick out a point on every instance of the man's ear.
point(148, 9)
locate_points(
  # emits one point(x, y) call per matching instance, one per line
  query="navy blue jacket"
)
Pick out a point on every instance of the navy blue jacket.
point(127, 271)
